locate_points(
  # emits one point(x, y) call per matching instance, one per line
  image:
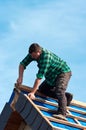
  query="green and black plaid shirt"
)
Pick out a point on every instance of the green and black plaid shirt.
point(49, 66)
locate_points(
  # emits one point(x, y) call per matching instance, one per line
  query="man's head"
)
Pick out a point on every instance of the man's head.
point(35, 50)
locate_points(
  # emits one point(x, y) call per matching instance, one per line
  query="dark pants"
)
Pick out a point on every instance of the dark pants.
point(57, 91)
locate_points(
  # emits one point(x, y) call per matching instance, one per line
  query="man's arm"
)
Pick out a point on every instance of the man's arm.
point(35, 88)
point(20, 78)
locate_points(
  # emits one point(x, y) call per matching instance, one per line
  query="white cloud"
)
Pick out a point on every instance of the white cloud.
point(13, 26)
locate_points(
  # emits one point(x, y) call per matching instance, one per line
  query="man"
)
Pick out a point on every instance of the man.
point(56, 73)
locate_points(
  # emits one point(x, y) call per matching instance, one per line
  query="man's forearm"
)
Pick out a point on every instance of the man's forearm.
point(36, 85)
point(21, 70)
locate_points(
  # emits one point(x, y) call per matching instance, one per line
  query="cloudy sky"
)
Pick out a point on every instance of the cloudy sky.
point(59, 26)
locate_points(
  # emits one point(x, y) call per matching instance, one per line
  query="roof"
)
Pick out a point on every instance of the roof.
point(22, 113)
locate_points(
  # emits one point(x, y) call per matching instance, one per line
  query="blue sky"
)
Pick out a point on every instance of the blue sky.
point(59, 26)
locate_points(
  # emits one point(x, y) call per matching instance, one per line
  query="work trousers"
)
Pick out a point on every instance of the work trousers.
point(58, 91)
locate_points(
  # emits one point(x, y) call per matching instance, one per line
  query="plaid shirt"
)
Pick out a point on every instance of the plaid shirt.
point(49, 66)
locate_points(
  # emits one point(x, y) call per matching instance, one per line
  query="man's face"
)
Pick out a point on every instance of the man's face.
point(35, 55)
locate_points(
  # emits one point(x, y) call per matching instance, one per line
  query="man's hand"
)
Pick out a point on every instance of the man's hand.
point(31, 96)
point(19, 81)
point(20, 77)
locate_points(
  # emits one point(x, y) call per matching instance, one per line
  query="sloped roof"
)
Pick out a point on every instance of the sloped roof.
point(21, 113)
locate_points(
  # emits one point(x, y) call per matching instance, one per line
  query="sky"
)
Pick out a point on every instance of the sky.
point(57, 25)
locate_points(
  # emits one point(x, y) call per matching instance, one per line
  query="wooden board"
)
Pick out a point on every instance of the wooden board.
point(31, 114)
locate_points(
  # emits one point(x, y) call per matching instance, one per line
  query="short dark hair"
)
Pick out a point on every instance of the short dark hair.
point(34, 47)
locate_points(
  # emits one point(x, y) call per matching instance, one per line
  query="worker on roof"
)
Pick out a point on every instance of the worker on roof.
point(56, 73)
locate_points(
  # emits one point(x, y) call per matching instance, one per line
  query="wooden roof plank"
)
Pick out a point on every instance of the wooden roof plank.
point(32, 114)
point(14, 121)
point(68, 115)
point(29, 89)
point(34, 111)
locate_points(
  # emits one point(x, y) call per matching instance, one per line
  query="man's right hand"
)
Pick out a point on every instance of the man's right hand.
point(19, 82)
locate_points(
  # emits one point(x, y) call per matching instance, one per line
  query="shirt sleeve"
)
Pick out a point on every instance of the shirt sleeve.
point(26, 61)
point(43, 66)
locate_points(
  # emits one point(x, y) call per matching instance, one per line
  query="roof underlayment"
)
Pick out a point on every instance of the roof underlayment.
point(21, 113)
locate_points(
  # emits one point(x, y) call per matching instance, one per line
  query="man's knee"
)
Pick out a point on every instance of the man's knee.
point(60, 93)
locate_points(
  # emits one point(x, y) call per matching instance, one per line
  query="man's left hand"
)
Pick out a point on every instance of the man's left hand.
point(31, 96)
